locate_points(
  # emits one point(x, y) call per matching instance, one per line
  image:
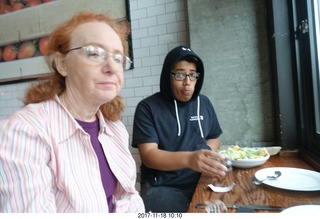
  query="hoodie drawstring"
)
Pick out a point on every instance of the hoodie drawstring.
point(198, 116)
point(177, 116)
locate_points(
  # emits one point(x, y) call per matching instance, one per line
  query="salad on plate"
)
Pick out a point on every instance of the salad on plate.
point(236, 152)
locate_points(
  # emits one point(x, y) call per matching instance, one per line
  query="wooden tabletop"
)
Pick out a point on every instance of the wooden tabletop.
point(246, 192)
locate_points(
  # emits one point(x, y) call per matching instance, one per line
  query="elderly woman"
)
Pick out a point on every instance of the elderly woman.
point(67, 150)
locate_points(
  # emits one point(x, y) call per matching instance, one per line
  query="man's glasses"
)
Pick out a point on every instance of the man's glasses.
point(99, 55)
point(180, 76)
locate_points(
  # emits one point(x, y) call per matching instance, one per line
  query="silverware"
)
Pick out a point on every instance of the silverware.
point(253, 207)
point(214, 206)
point(274, 177)
point(256, 207)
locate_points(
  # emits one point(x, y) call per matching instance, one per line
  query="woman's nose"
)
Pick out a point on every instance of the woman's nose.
point(111, 65)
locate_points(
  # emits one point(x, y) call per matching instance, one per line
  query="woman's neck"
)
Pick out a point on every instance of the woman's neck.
point(81, 112)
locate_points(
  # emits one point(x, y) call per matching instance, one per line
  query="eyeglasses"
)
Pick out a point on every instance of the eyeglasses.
point(99, 55)
point(180, 76)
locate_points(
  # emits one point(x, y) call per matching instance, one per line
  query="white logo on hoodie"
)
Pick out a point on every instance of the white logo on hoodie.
point(195, 118)
point(183, 48)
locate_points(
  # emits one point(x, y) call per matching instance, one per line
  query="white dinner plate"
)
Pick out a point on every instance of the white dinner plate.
point(291, 178)
point(303, 209)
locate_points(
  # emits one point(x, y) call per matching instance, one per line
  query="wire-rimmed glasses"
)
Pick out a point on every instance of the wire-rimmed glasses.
point(99, 55)
point(180, 76)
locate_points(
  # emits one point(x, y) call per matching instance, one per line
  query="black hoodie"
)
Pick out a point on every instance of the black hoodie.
point(175, 125)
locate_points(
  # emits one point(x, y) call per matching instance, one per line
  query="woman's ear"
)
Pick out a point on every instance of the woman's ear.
point(60, 61)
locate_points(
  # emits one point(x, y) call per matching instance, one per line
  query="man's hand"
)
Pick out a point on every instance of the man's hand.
point(207, 162)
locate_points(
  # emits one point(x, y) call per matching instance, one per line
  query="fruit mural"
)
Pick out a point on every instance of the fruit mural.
point(26, 49)
point(9, 53)
point(7, 6)
point(23, 50)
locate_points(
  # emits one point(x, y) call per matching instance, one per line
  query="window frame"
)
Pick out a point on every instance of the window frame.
point(307, 72)
point(293, 60)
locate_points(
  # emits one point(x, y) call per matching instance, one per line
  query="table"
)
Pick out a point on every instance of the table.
point(246, 192)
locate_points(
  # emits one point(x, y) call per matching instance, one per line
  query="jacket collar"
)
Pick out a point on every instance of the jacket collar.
point(71, 126)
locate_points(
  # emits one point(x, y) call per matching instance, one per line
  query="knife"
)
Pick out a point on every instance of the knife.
point(254, 207)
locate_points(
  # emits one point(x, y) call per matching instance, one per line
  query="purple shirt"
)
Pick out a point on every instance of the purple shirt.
point(108, 179)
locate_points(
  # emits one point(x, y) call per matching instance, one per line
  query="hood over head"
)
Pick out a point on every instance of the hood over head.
point(178, 54)
point(175, 55)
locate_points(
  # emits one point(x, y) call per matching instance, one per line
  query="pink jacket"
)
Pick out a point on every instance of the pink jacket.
point(47, 163)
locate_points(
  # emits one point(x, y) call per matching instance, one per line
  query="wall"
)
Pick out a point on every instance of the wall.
point(230, 35)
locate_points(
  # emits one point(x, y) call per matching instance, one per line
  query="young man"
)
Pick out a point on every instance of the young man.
point(177, 133)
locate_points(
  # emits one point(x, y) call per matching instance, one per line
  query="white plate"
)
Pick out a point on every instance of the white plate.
point(248, 163)
point(291, 178)
point(303, 209)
